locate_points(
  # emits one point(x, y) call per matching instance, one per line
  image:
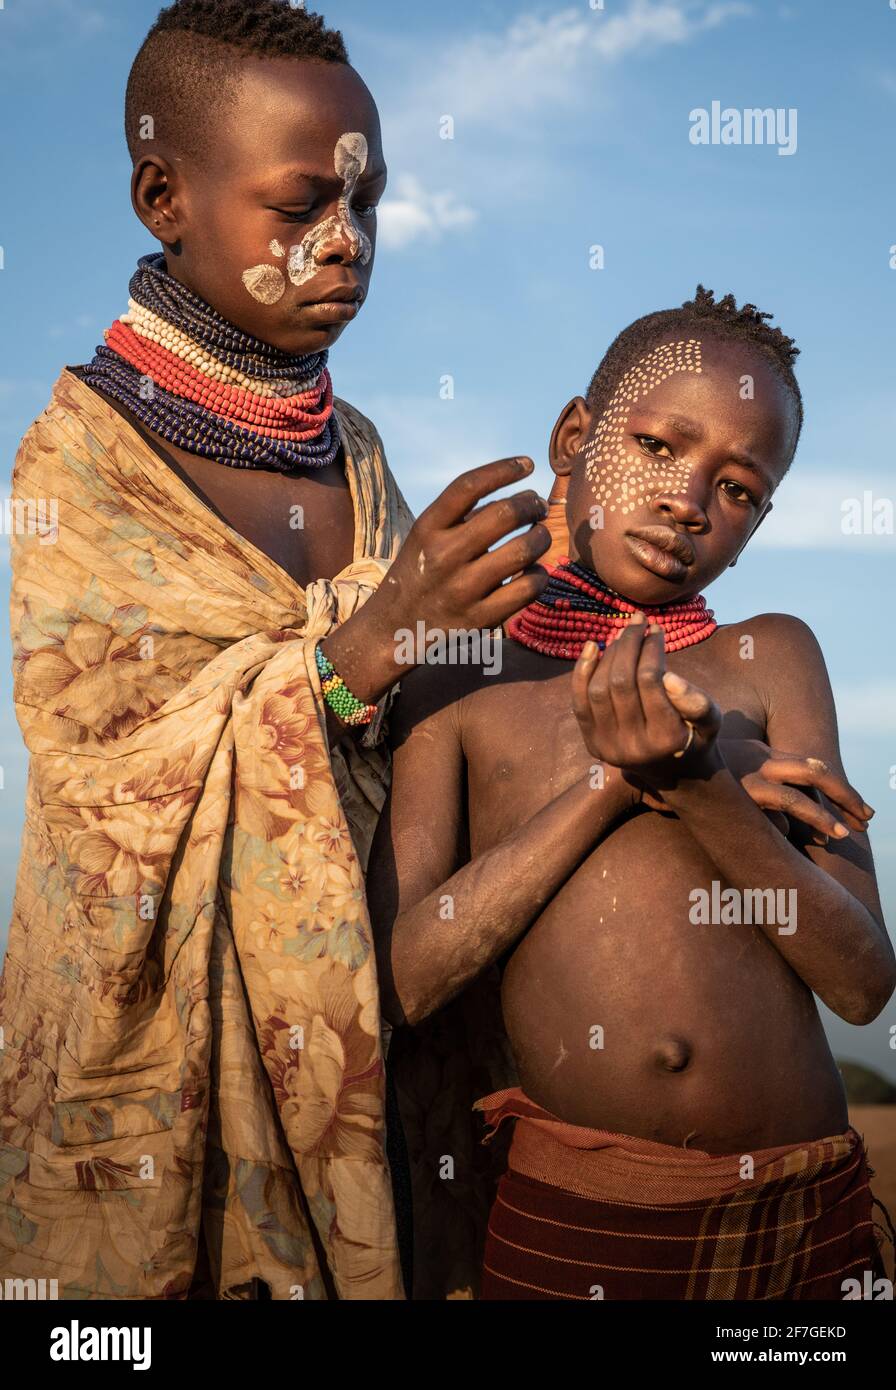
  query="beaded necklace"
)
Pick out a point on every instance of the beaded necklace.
point(202, 384)
point(575, 607)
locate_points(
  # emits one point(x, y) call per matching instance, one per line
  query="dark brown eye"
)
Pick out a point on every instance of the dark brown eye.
point(656, 447)
point(738, 493)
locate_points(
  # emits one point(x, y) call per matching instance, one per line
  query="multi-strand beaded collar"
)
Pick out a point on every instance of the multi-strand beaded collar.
point(204, 385)
point(575, 607)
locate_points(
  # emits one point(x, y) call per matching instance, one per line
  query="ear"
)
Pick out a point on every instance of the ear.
point(570, 433)
point(155, 198)
point(768, 509)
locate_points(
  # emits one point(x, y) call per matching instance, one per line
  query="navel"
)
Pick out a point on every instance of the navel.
point(672, 1054)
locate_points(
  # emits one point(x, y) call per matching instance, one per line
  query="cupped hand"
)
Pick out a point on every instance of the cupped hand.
point(635, 715)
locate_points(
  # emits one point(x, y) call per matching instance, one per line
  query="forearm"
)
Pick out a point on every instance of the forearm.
point(829, 937)
point(441, 943)
point(338, 731)
point(363, 650)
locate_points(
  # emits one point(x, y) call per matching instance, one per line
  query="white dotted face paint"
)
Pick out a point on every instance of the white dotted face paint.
point(623, 477)
point(266, 283)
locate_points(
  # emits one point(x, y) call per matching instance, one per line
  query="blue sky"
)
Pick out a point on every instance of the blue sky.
point(571, 129)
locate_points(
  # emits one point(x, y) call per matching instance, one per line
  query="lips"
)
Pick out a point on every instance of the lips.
point(661, 550)
point(339, 294)
point(331, 311)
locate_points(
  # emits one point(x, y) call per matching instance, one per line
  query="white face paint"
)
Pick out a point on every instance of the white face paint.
point(350, 160)
point(620, 476)
point(266, 283)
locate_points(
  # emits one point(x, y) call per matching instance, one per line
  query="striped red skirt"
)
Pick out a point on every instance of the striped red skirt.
point(585, 1214)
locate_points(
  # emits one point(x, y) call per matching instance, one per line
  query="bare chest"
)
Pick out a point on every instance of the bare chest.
point(522, 742)
point(304, 523)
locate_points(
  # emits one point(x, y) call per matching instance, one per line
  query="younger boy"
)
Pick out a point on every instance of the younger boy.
point(191, 1071)
point(681, 1125)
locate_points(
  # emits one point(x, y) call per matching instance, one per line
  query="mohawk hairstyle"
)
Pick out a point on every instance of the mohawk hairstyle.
point(705, 315)
point(190, 62)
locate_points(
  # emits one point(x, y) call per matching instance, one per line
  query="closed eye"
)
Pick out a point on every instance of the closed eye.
point(293, 214)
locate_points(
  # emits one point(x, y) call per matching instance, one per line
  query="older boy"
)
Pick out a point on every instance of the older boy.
point(191, 1077)
point(681, 1126)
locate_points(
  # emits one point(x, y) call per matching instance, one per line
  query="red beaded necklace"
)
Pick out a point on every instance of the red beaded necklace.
point(575, 608)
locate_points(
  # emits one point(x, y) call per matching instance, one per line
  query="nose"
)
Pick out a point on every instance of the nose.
point(340, 244)
point(680, 509)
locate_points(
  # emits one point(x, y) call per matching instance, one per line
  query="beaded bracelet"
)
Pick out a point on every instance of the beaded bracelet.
point(337, 694)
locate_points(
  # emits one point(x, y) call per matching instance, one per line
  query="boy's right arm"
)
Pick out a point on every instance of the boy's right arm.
point(450, 574)
point(438, 919)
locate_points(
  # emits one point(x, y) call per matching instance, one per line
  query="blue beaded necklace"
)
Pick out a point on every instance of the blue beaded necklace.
point(193, 426)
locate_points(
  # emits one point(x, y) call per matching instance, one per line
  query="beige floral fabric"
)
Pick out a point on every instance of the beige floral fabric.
point(191, 1073)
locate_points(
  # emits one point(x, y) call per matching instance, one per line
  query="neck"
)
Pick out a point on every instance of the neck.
point(576, 607)
point(204, 385)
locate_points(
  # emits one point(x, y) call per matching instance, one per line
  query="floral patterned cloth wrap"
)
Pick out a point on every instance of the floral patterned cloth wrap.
point(191, 1047)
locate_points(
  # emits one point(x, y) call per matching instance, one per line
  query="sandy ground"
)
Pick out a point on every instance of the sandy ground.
point(877, 1124)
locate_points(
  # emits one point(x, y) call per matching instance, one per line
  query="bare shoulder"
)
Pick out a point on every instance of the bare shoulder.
point(784, 625)
point(781, 640)
point(791, 677)
point(763, 649)
point(434, 695)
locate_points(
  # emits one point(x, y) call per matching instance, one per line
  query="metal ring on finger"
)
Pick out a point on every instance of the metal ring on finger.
point(681, 752)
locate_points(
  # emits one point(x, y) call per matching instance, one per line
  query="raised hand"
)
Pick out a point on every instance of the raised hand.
point(637, 716)
point(446, 572)
point(447, 576)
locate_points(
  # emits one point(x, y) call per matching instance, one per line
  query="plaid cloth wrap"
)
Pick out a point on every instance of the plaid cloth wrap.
point(586, 1214)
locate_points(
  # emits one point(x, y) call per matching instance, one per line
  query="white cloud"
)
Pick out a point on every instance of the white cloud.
point(20, 401)
point(60, 330)
point(491, 77)
point(501, 89)
point(812, 508)
point(415, 212)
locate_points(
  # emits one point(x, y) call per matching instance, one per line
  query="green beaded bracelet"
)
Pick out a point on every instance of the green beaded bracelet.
point(337, 694)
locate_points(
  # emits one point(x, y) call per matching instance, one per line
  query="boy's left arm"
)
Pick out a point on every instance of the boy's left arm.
point(639, 717)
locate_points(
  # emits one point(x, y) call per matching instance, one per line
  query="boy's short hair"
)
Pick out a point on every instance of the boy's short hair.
point(190, 63)
point(705, 316)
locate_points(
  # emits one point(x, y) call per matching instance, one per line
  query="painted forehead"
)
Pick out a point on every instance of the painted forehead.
point(622, 477)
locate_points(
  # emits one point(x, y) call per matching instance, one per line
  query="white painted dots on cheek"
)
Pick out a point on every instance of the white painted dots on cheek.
point(266, 283)
point(622, 477)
